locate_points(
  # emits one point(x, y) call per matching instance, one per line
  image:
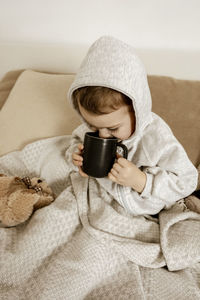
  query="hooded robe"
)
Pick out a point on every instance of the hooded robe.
point(152, 147)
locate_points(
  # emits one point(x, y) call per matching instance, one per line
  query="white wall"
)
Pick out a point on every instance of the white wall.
point(155, 25)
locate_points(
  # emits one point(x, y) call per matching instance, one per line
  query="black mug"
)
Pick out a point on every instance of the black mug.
point(99, 154)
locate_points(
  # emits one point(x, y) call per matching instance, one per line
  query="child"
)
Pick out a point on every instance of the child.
point(111, 94)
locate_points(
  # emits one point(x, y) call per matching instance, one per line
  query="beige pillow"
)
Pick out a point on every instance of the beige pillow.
point(36, 108)
point(7, 83)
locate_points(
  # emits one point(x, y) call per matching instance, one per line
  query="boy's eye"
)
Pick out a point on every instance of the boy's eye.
point(113, 129)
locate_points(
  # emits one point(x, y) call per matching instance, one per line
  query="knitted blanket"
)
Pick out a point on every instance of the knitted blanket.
point(85, 246)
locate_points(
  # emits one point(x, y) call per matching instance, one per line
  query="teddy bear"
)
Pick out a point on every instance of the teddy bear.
point(20, 197)
point(193, 201)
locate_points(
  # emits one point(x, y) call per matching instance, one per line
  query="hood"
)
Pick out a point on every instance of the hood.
point(113, 63)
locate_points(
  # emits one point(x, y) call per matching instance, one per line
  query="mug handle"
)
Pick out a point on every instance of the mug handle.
point(124, 148)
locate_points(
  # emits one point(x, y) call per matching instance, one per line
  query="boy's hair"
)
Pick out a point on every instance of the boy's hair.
point(99, 100)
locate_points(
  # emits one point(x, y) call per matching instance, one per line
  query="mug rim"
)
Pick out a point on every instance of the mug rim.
point(92, 133)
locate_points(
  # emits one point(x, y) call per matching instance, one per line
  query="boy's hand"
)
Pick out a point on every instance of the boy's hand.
point(126, 173)
point(78, 160)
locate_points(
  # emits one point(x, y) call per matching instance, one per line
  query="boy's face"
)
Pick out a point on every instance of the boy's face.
point(119, 123)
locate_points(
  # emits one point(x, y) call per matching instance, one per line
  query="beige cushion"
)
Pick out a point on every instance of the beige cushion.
point(178, 103)
point(36, 108)
point(6, 84)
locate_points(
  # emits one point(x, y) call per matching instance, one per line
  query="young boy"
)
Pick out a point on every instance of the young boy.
point(111, 94)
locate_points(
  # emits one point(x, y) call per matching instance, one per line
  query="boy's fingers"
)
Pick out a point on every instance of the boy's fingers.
point(76, 156)
point(77, 163)
point(111, 177)
point(122, 161)
point(82, 173)
point(114, 172)
point(116, 167)
point(80, 146)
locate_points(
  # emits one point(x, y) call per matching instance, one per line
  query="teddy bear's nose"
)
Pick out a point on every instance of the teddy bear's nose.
point(39, 180)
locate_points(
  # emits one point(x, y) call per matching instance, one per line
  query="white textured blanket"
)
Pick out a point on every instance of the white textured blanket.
point(85, 246)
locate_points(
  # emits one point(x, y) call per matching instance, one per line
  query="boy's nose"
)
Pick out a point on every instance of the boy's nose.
point(104, 133)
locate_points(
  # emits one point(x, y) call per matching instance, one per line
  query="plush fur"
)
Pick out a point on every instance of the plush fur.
point(20, 197)
point(193, 201)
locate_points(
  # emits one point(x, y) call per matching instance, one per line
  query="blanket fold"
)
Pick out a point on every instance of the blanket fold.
point(180, 240)
point(86, 246)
